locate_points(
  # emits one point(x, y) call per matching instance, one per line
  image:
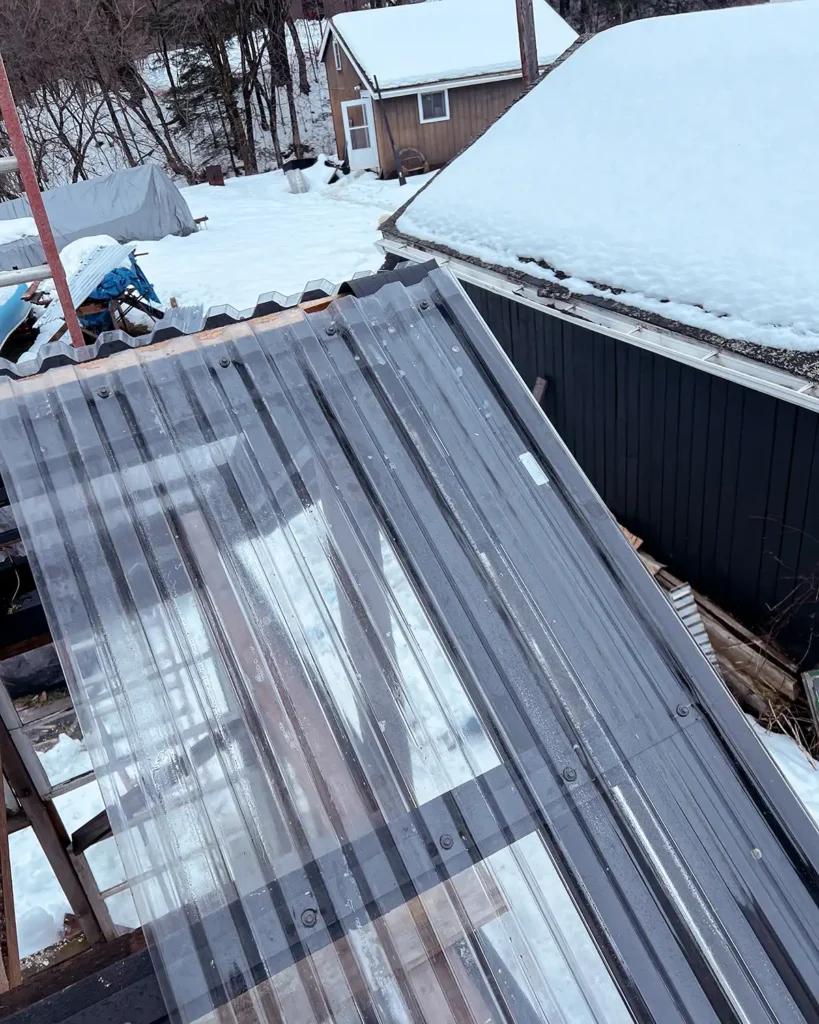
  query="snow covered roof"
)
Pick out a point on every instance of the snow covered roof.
point(667, 165)
point(444, 40)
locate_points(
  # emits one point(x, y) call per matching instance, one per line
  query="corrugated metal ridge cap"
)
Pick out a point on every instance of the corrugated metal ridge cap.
point(187, 320)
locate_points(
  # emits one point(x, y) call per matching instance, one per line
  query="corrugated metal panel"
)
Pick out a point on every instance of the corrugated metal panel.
point(685, 605)
point(391, 723)
point(91, 271)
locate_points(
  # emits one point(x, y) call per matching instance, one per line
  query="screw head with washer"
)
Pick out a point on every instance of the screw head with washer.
point(446, 841)
point(683, 710)
point(224, 362)
point(309, 917)
point(569, 774)
point(103, 392)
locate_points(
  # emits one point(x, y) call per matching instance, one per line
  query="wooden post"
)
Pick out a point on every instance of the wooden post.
point(10, 975)
point(528, 43)
point(51, 833)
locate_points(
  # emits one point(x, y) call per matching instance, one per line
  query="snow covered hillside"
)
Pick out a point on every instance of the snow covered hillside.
point(668, 165)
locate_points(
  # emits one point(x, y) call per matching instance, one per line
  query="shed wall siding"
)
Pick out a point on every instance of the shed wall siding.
point(722, 482)
point(343, 85)
point(471, 110)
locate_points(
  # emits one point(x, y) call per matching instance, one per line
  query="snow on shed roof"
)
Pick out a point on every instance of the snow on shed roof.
point(667, 164)
point(442, 40)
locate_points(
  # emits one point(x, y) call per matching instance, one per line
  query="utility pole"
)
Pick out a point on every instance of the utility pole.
point(528, 43)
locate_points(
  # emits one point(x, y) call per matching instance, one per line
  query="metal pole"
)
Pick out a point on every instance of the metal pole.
point(395, 154)
point(25, 166)
point(528, 43)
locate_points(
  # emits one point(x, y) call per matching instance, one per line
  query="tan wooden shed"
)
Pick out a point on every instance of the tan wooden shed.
point(434, 75)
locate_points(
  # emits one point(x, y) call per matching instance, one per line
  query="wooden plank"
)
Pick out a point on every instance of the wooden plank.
point(62, 976)
point(51, 834)
point(317, 305)
point(9, 949)
point(30, 643)
point(92, 832)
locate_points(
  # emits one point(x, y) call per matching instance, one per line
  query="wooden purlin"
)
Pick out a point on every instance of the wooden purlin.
point(52, 836)
point(10, 973)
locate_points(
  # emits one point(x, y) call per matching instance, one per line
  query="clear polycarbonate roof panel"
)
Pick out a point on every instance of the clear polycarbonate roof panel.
point(390, 723)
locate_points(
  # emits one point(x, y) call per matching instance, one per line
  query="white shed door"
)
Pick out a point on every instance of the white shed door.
point(359, 134)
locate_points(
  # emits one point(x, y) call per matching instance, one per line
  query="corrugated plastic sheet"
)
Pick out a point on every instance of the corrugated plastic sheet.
point(390, 721)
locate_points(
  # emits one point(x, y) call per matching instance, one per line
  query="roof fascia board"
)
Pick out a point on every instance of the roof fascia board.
point(331, 31)
point(449, 83)
point(767, 379)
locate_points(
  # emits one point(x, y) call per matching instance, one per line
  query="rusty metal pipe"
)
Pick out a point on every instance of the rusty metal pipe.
point(8, 109)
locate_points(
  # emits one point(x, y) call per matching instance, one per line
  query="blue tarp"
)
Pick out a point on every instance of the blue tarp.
point(112, 286)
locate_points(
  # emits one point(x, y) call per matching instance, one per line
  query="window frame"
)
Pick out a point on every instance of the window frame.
point(337, 59)
point(432, 92)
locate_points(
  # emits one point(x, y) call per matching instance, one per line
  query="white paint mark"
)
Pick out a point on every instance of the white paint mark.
point(532, 466)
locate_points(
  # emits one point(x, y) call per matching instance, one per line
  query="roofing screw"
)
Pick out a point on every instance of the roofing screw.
point(103, 392)
point(683, 710)
point(446, 841)
point(331, 330)
point(224, 362)
point(423, 304)
point(569, 774)
point(309, 918)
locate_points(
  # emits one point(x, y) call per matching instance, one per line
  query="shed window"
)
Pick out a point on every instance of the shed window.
point(433, 106)
point(336, 54)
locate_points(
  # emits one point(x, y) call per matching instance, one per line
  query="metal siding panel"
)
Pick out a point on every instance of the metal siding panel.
point(802, 623)
point(642, 516)
point(609, 409)
point(671, 451)
point(697, 479)
point(782, 461)
point(597, 354)
point(804, 444)
point(752, 489)
point(560, 332)
point(657, 467)
point(715, 454)
point(682, 544)
point(633, 389)
point(728, 511)
point(619, 494)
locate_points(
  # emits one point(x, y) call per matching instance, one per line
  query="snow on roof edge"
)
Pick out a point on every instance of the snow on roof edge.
point(803, 364)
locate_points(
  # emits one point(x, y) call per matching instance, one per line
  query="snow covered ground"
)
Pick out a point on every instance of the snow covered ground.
point(260, 238)
point(665, 164)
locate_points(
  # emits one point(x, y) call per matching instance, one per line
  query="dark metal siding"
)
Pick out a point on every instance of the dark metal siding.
point(721, 481)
